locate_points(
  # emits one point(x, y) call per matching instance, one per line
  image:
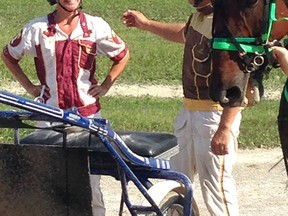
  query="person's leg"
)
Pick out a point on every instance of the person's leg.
point(215, 172)
point(184, 161)
point(98, 207)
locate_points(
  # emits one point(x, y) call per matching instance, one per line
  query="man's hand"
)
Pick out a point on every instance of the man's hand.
point(220, 142)
point(97, 91)
point(132, 18)
point(35, 91)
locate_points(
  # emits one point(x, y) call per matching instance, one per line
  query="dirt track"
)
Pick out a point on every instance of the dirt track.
point(138, 90)
point(261, 192)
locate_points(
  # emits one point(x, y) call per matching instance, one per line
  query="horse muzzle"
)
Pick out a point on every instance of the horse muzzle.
point(231, 97)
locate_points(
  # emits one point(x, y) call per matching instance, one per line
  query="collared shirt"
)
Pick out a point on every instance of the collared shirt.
point(66, 64)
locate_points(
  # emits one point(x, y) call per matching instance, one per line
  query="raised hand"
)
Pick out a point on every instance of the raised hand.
point(132, 18)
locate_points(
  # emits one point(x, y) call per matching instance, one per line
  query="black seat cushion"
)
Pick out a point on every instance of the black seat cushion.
point(148, 144)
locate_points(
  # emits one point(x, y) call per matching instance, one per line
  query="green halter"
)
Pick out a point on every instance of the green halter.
point(246, 43)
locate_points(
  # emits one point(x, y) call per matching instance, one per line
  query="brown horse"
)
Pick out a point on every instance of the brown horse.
point(241, 31)
point(241, 19)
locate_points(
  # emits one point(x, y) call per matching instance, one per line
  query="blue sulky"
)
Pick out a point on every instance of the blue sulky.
point(47, 172)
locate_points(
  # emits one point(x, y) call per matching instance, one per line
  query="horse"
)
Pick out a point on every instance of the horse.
point(241, 32)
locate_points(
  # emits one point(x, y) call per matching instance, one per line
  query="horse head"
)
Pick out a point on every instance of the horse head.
point(241, 31)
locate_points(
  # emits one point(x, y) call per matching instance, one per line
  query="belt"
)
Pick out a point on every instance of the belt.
point(201, 105)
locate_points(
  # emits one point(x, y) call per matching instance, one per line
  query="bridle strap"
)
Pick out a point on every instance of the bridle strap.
point(273, 15)
point(241, 45)
point(246, 43)
point(232, 38)
point(242, 52)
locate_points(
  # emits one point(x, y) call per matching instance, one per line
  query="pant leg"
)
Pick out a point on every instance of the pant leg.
point(184, 161)
point(98, 208)
point(215, 172)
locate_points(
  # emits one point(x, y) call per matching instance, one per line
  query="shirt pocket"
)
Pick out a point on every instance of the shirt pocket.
point(207, 123)
point(88, 52)
point(180, 124)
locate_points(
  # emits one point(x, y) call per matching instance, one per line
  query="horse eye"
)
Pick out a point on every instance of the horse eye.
point(251, 2)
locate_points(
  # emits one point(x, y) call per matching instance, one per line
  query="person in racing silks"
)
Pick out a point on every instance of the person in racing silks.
point(64, 45)
point(206, 133)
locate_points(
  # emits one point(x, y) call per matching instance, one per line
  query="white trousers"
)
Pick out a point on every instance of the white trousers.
point(98, 208)
point(194, 131)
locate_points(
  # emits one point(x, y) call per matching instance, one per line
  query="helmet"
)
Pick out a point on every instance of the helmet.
point(52, 2)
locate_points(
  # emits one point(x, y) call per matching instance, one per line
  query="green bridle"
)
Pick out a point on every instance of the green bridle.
point(249, 44)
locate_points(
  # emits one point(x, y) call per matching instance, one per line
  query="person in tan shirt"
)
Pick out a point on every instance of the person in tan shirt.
point(206, 133)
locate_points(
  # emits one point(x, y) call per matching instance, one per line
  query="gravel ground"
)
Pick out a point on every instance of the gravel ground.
point(167, 91)
point(261, 191)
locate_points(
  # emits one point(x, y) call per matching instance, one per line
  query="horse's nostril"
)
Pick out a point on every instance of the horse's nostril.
point(233, 93)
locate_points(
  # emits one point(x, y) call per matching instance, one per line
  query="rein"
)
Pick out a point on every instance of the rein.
point(244, 45)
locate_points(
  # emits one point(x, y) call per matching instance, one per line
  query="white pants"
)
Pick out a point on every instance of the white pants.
point(194, 131)
point(98, 207)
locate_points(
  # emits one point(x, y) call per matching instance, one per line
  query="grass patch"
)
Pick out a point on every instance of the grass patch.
point(258, 128)
point(141, 114)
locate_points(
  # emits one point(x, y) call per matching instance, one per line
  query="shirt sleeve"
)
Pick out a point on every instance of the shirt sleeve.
point(110, 44)
point(20, 45)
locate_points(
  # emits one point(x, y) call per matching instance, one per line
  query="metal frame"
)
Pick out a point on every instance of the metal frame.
point(130, 166)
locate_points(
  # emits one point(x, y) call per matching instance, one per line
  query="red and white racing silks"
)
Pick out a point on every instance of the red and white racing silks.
point(66, 64)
